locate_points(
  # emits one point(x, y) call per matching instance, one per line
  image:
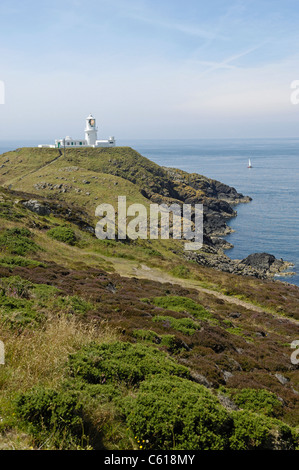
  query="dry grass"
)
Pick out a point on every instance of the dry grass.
point(38, 357)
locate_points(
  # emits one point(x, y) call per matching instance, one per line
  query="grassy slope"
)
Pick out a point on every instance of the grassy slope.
point(40, 327)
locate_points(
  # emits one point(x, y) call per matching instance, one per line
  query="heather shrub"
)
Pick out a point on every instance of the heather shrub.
point(172, 343)
point(63, 234)
point(15, 286)
point(121, 362)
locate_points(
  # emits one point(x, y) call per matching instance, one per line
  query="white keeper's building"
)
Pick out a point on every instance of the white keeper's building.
point(91, 138)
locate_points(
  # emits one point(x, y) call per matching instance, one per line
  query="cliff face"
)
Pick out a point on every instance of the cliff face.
point(217, 198)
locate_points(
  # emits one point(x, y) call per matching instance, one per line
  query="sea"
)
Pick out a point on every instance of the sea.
point(270, 222)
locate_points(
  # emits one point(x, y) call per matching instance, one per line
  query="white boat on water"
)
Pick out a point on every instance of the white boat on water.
point(249, 164)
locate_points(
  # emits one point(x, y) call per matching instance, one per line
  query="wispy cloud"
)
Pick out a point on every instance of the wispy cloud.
point(185, 28)
point(142, 11)
point(226, 63)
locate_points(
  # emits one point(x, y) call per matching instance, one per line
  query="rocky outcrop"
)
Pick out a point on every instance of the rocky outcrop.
point(38, 207)
point(259, 265)
point(218, 200)
point(58, 209)
point(266, 263)
point(204, 186)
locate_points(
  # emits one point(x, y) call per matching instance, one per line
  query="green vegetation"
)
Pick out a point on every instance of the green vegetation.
point(10, 261)
point(122, 362)
point(184, 325)
point(48, 411)
point(252, 431)
point(73, 305)
point(17, 241)
point(18, 313)
point(63, 234)
point(174, 413)
point(155, 400)
point(127, 344)
point(258, 401)
point(181, 271)
point(184, 305)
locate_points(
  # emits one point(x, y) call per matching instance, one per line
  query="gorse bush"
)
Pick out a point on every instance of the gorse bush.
point(121, 362)
point(63, 234)
point(17, 241)
point(146, 335)
point(46, 410)
point(253, 431)
point(175, 413)
point(154, 399)
point(182, 304)
point(11, 261)
point(171, 342)
point(19, 313)
point(259, 401)
point(184, 325)
point(73, 304)
point(44, 293)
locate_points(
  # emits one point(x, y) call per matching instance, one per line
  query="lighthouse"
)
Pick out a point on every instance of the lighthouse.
point(91, 131)
point(91, 139)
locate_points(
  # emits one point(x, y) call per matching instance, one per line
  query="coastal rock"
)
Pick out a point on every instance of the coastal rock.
point(260, 260)
point(259, 265)
point(266, 262)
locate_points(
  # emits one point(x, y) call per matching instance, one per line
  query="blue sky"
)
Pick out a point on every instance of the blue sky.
point(149, 68)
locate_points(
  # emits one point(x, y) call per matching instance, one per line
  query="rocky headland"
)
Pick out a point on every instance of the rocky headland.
point(108, 172)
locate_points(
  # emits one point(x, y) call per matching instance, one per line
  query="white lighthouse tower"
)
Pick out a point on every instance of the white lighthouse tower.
point(91, 131)
point(91, 139)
